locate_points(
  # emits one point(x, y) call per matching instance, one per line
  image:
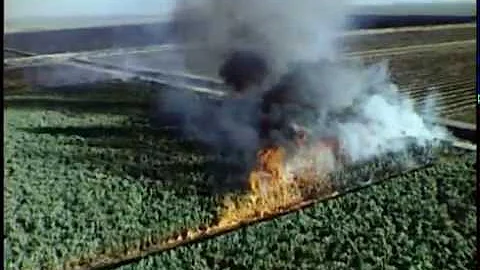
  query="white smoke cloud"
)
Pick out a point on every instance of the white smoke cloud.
point(355, 104)
point(283, 31)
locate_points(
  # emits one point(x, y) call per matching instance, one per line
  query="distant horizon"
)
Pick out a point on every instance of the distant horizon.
point(359, 22)
point(42, 22)
point(21, 9)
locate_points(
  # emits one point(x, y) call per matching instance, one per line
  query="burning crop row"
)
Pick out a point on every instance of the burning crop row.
point(273, 188)
point(296, 112)
point(298, 121)
point(274, 201)
point(379, 227)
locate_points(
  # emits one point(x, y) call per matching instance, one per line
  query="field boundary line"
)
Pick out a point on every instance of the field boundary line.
point(415, 89)
point(31, 59)
point(172, 78)
point(442, 95)
point(460, 102)
point(453, 111)
point(461, 130)
point(411, 49)
point(391, 30)
point(456, 123)
point(123, 72)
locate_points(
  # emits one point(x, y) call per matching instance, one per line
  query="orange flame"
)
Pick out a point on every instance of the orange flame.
point(274, 185)
point(270, 169)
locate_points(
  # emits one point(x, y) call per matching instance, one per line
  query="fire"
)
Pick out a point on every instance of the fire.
point(270, 169)
point(277, 184)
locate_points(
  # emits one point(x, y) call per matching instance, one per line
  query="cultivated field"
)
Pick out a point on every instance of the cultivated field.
point(436, 61)
point(83, 178)
point(391, 38)
point(422, 220)
point(468, 116)
point(86, 175)
point(84, 172)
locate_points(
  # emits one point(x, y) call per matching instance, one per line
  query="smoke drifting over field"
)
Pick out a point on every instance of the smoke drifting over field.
point(282, 31)
point(356, 104)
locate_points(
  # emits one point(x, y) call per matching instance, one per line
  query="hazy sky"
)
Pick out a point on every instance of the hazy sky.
point(20, 8)
point(40, 8)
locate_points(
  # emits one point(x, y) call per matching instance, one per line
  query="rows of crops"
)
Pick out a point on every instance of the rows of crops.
point(446, 74)
point(443, 80)
point(347, 180)
point(409, 38)
point(82, 174)
point(468, 116)
point(449, 73)
point(424, 220)
point(84, 171)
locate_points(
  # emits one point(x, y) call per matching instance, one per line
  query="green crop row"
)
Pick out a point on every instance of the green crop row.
point(422, 220)
point(78, 178)
point(84, 170)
